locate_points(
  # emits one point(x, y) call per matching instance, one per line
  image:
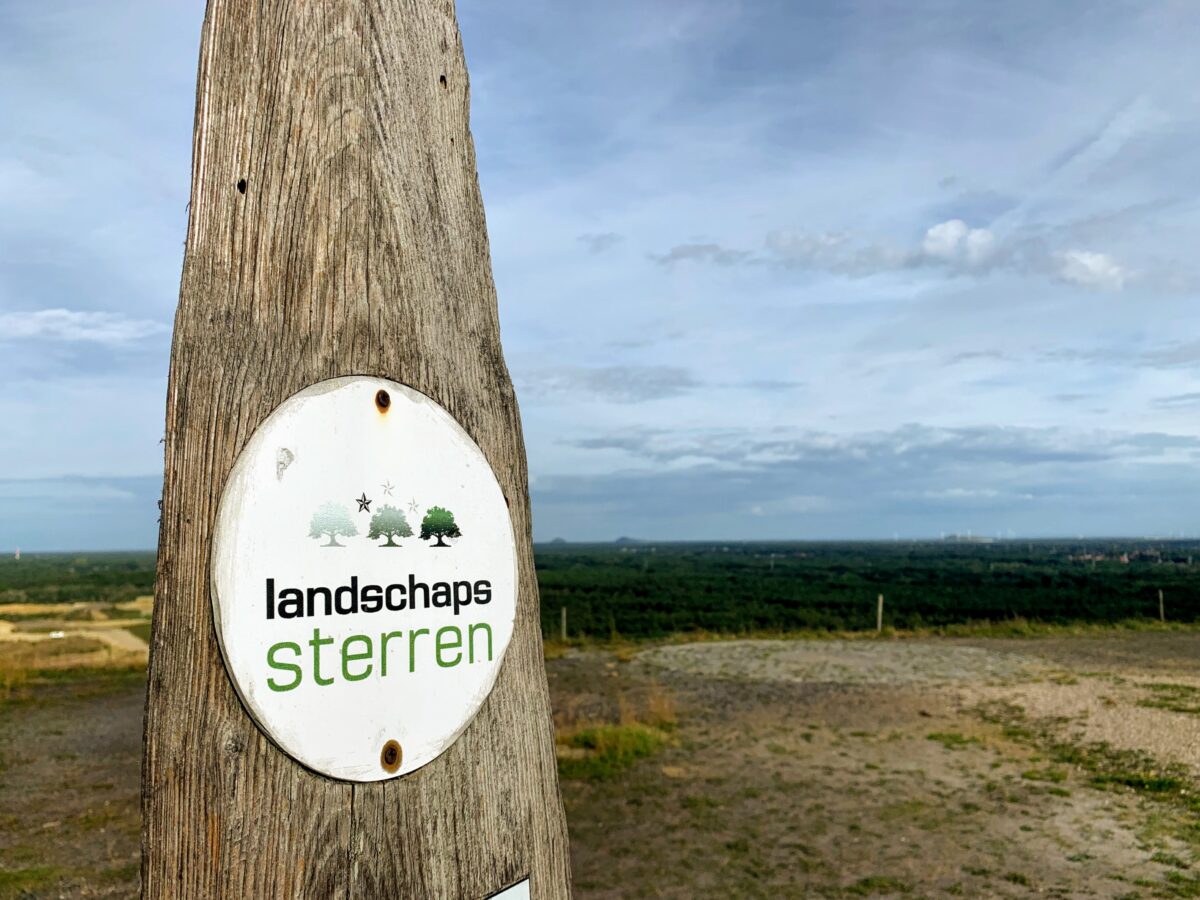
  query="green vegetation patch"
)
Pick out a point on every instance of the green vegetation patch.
point(1050, 774)
point(952, 740)
point(609, 749)
point(71, 578)
point(1180, 885)
point(1004, 589)
point(1109, 768)
point(878, 884)
point(69, 685)
point(17, 882)
point(1180, 698)
point(140, 630)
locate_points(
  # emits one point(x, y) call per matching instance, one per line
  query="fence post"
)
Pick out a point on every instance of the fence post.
point(563, 629)
point(336, 229)
point(1161, 613)
point(879, 614)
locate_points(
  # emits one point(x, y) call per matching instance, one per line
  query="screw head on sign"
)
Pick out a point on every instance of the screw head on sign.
point(391, 757)
point(383, 400)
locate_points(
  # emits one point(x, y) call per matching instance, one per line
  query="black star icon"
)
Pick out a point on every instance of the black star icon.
point(364, 505)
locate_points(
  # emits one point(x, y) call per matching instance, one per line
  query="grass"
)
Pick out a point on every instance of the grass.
point(625, 648)
point(46, 686)
point(18, 882)
point(598, 750)
point(878, 884)
point(140, 629)
point(1180, 698)
point(1055, 775)
point(609, 749)
point(1108, 768)
point(12, 679)
point(952, 740)
point(1180, 885)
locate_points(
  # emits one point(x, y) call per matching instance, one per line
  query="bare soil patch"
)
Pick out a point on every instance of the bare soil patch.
point(867, 768)
point(795, 769)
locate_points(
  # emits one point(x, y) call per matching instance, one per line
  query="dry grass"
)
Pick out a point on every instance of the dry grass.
point(21, 661)
point(12, 678)
point(594, 748)
point(659, 707)
point(625, 649)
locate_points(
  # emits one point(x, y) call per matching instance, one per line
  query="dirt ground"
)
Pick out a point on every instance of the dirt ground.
point(1062, 767)
point(892, 768)
point(69, 635)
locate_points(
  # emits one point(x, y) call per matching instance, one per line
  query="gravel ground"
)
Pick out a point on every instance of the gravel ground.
point(843, 662)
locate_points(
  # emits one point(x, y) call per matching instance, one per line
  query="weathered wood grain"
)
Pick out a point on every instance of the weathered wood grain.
point(336, 227)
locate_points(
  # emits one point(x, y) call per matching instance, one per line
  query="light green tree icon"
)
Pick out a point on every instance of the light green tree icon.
point(390, 523)
point(439, 523)
point(331, 519)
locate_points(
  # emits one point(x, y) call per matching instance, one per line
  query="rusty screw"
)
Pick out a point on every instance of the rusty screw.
point(391, 756)
point(383, 400)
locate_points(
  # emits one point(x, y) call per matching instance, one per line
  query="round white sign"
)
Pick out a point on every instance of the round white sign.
point(363, 578)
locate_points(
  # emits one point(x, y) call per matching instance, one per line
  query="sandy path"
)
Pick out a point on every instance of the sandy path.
point(117, 638)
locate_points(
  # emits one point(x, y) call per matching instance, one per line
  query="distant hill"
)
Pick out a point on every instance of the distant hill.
point(628, 540)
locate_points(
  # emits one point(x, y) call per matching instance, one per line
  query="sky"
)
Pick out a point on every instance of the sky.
point(766, 270)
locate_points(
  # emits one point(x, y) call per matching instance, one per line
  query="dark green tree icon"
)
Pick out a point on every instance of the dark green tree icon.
point(390, 523)
point(333, 520)
point(439, 523)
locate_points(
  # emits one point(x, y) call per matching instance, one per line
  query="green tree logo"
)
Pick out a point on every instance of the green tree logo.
point(331, 519)
point(390, 523)
point(439, 523)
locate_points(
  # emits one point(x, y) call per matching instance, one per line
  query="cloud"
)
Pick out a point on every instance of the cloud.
point(616, 384)
point(599, 242)
point(76, 325)
point(972, 355)
point(713, 253)
point(957, 243)
point(1091, 270)
point(915, 447)
point(917, 480)
point(786, 165)
point(1178, 401)
point(767, 385)
point(967, 494)
point(104, 513)
point(1172, 356)
point(793, 504)
point(952, 247)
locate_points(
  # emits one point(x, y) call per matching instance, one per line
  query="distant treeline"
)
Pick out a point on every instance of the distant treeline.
point(647, 590)
point(68, 577)
point(643, 590)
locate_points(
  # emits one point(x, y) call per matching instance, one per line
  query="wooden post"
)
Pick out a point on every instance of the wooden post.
point(879, 614)
point(1161, 613)
point(563, 629)
point(335, 228)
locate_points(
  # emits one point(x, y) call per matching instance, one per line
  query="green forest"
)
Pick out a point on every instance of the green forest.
point(76, 577)
point(644, 589)
point(638, 589)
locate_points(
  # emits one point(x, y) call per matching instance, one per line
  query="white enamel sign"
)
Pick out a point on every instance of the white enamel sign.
point(363, 578)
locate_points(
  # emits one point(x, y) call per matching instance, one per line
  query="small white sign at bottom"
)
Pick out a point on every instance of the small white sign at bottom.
point(519, 891)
